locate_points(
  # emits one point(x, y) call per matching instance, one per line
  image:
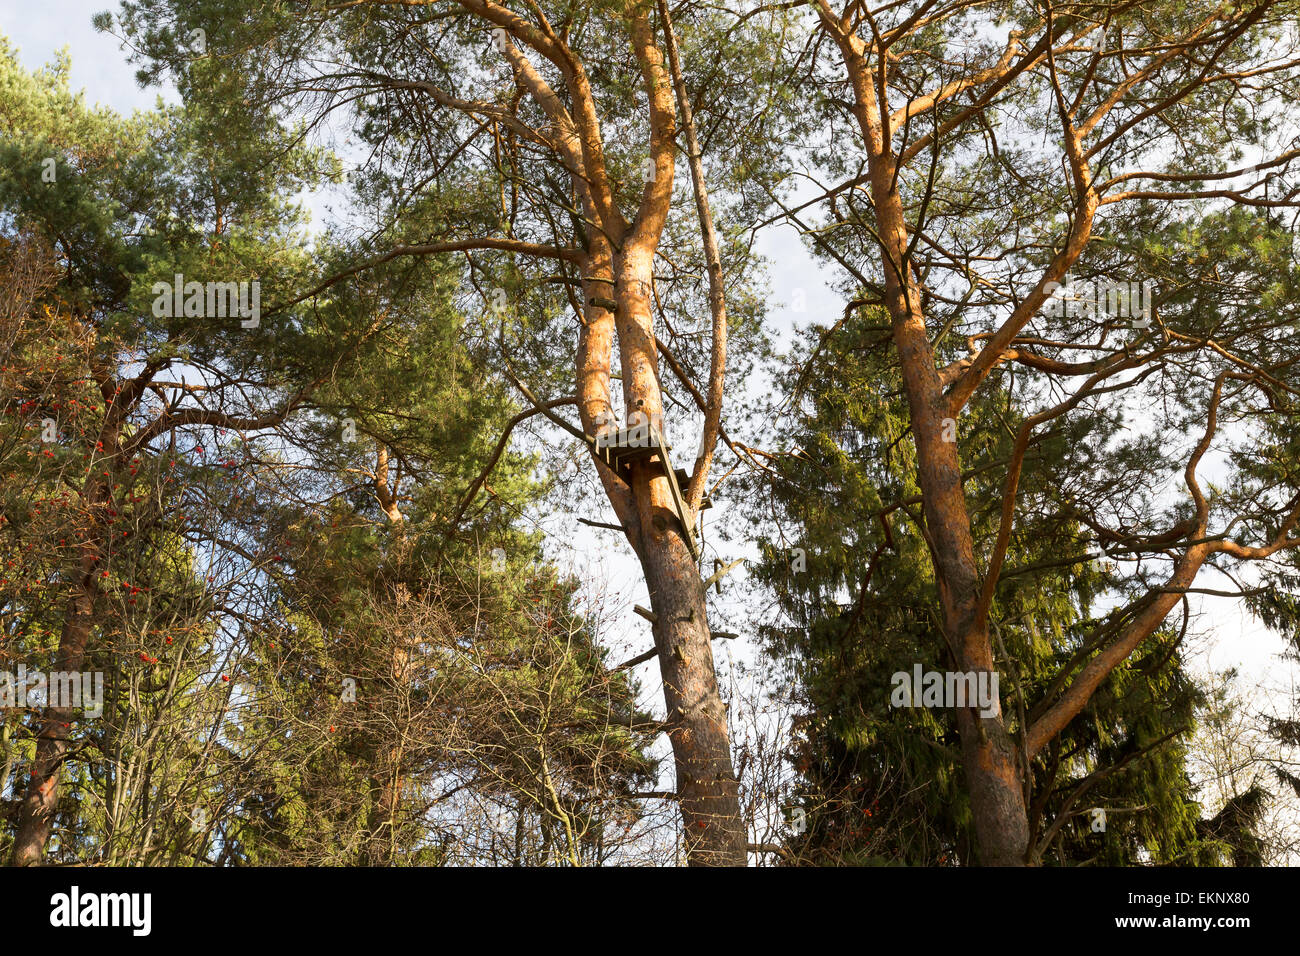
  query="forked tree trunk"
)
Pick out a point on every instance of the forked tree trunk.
point(707, 789)
point(988, 753)
point(616, 282)
point(993, 774)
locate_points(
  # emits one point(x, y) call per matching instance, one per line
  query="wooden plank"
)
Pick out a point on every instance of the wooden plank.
point(618, 449)
point(679, 502)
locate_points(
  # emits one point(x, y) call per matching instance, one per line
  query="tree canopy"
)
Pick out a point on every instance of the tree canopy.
point(275, 482)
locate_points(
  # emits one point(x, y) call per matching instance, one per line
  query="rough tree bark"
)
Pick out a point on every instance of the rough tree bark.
point(617, 279)
point(989, 755)
point(41, 798)
point(996, 773)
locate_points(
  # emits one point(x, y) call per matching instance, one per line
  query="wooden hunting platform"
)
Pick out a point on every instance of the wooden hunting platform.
point(645, 443)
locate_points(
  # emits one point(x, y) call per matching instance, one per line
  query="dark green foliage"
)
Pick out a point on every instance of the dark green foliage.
point(884, 784)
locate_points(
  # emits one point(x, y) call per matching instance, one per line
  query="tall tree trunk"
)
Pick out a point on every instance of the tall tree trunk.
point(386, 776)
point(988, 752)
point(707, 789)
point(41, 797)
point(616, 279)
point(992, 771)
